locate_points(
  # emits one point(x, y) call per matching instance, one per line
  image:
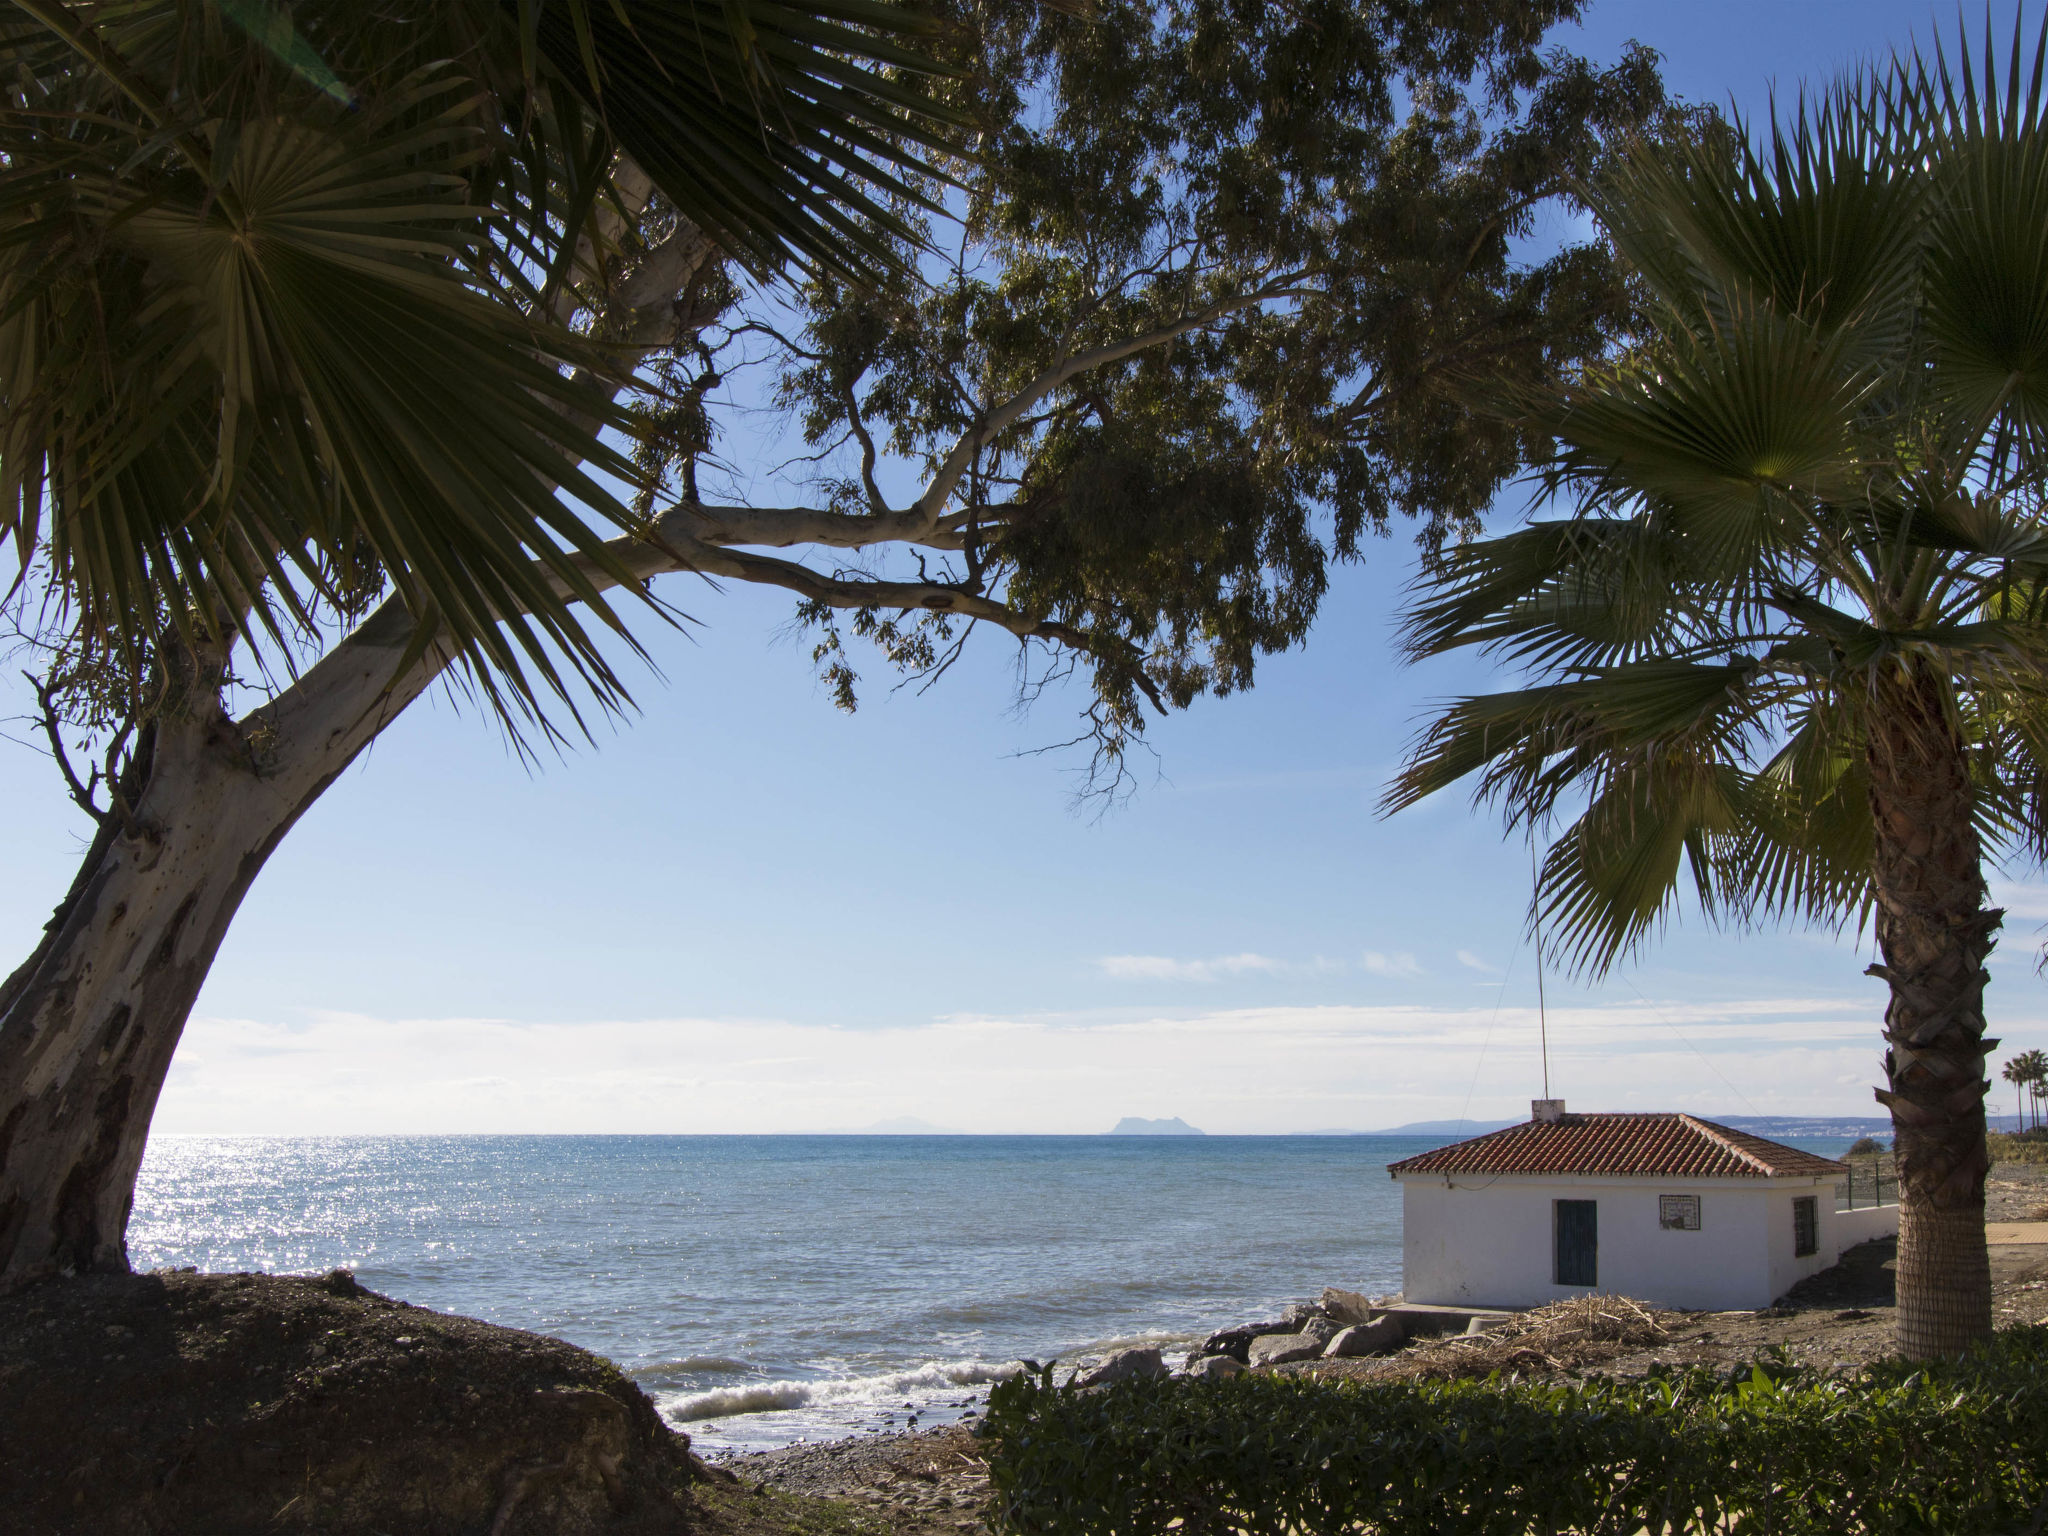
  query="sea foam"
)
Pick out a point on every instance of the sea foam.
point(843, 1392)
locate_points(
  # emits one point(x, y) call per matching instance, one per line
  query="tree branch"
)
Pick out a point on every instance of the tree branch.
point(782, 527)
point(81, 791)
point(932, 503)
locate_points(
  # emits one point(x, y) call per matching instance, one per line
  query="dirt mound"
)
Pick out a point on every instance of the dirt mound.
point(178, 1403)
point(1562, 1339)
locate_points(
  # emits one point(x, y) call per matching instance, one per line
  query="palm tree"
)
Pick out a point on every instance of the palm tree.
point(1788, 656)
point(2032, 1076)
point(2020, 1073)
point(285, 291)
point(288, 305)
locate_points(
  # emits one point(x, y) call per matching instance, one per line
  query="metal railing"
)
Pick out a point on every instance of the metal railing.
point(1871, 1181)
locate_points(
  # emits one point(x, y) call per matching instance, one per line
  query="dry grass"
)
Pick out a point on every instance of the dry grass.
point(1562, 1338)
point(2007, 1148)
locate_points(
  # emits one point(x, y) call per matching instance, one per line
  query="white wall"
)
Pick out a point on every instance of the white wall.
point(1486, 1242)
point(1861, 1225)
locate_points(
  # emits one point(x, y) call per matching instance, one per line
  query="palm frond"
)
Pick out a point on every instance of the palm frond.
point(1986, 272)
point(1614, 874)
point(1823, 224)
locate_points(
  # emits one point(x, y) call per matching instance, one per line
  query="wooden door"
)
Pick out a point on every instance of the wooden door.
point(1577, 1247)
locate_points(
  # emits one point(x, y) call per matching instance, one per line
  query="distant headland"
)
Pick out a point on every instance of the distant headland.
point(1137, 1125)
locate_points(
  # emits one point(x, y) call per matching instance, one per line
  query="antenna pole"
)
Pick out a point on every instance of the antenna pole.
point(1536, 922)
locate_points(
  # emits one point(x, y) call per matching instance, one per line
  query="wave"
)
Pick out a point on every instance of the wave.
point(842, 1392)
point(715, 1365)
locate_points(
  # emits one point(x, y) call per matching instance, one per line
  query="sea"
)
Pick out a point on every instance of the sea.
point(766, 1290)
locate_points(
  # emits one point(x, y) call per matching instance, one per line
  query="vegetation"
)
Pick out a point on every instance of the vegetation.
point(1956, 1446)
point(291, 362)
point(1788, 655)
point(313, 381)
point(1866, 1146)
point(2028, 1072)
point(2029, 1147)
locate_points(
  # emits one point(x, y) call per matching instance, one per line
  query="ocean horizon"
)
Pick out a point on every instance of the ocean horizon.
point(767, 1289)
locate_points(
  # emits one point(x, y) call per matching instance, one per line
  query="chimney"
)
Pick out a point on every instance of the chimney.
point(1546, 1111)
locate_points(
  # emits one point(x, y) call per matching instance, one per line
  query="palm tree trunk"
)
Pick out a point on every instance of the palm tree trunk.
point(1935, 935)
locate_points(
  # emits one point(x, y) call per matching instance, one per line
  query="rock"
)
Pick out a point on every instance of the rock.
point(1279, 1348)
point(1483, 1324)
point(1216, 1367)
point(1344, 1308)
point(1236, 1341)
point(1126, 1365)
point(1319, 1328)
point(437, 1435)
point(1365, 1339)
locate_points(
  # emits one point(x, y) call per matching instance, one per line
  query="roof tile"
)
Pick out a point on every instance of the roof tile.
point(1628, 1145)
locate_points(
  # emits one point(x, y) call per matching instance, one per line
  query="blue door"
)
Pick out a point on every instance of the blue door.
point(1577, 1246)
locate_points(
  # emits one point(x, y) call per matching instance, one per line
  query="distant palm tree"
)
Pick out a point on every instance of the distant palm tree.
point(2029, 1070)
point(2020, 1073)
point(1794, 643)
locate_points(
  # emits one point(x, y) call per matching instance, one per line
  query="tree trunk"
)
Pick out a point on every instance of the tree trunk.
point(89, 1023)
point(1935, 934)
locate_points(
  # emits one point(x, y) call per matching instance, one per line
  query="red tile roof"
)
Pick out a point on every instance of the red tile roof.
point(1628, 1145)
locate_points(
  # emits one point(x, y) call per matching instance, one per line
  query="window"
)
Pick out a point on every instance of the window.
point(1805, 1226)
point(1576, 1246)
point(1678, 1213)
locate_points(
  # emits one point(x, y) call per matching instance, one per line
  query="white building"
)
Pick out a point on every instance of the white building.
point(1665, 1208)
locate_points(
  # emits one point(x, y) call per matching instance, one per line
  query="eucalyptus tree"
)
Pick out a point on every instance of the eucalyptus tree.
point(1155, 309)
point(1788, 657)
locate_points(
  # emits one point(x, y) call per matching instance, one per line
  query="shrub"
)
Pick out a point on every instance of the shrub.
point(1955, 1447)
point(1866, 1146)
point(2026, 1147)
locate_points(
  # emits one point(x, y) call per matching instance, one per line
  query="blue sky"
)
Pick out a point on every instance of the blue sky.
point(747, 911)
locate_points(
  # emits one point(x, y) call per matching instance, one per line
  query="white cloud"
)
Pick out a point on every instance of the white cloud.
point(1472, 962)
point(1163, 968)
point(2022, 899)
point(1398, 966)
point(1234, 1070)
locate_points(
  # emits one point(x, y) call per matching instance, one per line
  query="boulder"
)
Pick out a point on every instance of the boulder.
point(1215, 1367)
point(1236, 1341)
point(1365, 1339)
point(1320, 1329)
point(1344, 1308)
point(1280, 1348)
point(1126, 1365)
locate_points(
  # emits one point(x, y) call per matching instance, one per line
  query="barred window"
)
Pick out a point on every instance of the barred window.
point(1805, 1226)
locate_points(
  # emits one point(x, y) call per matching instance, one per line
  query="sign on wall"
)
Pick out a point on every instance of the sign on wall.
point(1679, 1213)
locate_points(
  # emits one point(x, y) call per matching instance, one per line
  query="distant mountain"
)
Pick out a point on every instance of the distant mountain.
point(1135, 1125)
point(1444, 1128)
point(1806, 1125)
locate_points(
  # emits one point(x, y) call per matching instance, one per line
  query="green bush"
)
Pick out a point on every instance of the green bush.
point(1958, 1448)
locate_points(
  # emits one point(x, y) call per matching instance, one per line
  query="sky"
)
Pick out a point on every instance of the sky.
point(747, 912)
